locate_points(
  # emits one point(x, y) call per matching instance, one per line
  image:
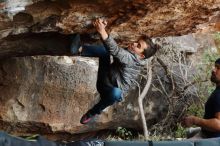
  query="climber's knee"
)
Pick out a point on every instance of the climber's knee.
point(116, 94)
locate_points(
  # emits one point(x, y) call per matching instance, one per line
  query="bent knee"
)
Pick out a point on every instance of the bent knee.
point(116, 94)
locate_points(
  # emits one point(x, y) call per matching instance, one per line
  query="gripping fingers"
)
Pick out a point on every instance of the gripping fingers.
point(100, 22)
point(105, 22)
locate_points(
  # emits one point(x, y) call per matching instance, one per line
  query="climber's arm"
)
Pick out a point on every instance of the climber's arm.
point(110, 43)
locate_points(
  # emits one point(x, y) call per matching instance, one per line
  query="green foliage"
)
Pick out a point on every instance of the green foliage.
point(31, 137)
point(158, 137)
point(211, 89)
point(209, 57)
point(180, 131)
point(196, 110)
point(217, 35)
point(124, 133)
point(204, 89)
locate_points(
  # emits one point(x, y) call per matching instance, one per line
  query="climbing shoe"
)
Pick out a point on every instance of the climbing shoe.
point(75, 44)
point(86, 118)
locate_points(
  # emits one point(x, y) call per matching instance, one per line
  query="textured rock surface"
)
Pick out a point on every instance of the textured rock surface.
point(49, 94)
point(47, 90)
point(52, 93)
point(127, 19)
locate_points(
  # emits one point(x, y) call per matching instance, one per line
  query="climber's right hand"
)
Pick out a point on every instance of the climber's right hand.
point(100, 25)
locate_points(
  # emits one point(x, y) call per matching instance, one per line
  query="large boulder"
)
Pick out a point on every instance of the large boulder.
point(50, 94)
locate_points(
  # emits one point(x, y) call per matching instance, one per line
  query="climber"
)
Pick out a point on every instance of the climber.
point(209, 125)
point(114, 79)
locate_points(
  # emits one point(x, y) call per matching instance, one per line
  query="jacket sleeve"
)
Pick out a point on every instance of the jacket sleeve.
point(117, 52)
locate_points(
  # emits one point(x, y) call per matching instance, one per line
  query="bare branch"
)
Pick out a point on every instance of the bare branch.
point(141, 97)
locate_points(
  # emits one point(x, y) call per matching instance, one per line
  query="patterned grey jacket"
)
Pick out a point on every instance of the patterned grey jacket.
point(126, 66)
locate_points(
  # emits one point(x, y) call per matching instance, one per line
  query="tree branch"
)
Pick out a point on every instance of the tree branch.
point(142, 96)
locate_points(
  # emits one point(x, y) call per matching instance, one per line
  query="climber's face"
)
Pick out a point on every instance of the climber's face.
point(138, 47)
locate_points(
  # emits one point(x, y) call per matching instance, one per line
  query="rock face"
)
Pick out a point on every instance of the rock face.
point(45, 89)
point(127, 19)
point(46, 95)
point(52, 93)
